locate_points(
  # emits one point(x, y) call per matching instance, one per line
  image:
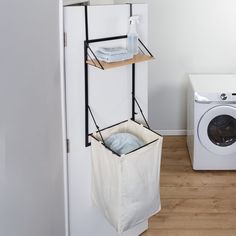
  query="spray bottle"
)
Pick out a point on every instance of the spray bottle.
point(132, 36)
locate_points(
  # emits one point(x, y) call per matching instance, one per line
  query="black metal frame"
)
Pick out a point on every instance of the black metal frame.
point(87, 49)
point(103, 143)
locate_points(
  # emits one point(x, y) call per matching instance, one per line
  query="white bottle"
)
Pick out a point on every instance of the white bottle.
point(132, 36)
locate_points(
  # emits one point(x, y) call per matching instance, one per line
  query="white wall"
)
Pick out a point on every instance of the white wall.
point(98, 2)
point(129, 1)
point(31, 160)
point(186, 36)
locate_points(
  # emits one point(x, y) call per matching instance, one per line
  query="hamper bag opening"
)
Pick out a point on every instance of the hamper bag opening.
point(126, 187)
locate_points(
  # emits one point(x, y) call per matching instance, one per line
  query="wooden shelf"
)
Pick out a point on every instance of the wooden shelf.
point(135, 59)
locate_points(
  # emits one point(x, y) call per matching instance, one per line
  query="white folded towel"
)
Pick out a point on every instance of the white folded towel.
point(113, 54)
point(112, 51)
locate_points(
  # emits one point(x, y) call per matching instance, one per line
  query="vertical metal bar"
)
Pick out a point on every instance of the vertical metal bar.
point(133, 78)
point(130, 9)
point(86, 95)
point(86, 22)
point(86, 77)
point(133, 91)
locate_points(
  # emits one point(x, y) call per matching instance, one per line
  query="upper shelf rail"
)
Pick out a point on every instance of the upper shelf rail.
point(106, 39)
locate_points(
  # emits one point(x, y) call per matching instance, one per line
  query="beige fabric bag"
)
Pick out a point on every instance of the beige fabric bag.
point(126, 188)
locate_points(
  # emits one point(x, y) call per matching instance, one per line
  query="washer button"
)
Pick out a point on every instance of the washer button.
point(223, 96)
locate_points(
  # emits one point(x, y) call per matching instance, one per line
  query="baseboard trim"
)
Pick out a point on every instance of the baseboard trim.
point(172, 132)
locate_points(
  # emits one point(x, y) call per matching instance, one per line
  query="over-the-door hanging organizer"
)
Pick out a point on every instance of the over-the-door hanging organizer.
point(125, 187)
point(91, 59)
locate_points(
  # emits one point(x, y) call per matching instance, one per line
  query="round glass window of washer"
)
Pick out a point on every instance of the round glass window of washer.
point(222, 130)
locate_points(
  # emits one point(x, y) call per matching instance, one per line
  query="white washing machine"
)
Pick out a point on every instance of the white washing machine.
point(211, 122)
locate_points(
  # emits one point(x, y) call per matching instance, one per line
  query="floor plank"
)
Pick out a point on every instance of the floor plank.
point(208, 205)
point(190, 232)
point(198, 192)
point(194, 221)
point(198, 180)
point(194, 203)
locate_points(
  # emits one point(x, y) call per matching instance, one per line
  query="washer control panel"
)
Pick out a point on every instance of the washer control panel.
point(222, 97)
point(227, 97)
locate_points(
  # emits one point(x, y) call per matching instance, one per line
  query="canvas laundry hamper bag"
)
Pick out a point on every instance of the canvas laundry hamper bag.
point(126, 187)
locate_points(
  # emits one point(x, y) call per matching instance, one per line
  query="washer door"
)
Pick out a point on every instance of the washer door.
point(217, 130)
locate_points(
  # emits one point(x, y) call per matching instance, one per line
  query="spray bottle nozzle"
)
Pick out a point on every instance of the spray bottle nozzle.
point(134, 19)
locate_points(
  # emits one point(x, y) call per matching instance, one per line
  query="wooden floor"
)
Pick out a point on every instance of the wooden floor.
point(194, 203)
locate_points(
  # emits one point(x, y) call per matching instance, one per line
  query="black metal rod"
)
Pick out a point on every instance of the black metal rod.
point(91, 60)
point(145, 47)
point(86, 95)
point(86, 22)
point(149, 129)
point(111, 126)
point(132, 150)
point(133, 74)
point(142, 146)
point(107, 39)
point(130, 9)
point(133, 91)
point(86, 78)
point(96, 124)
point(95, 57)
point(106, 146)
point(141, 112)
point(141, 50)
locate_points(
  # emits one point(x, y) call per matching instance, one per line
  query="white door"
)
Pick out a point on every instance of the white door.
point(217, 130)
point(31, 153)
point(109, 99)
